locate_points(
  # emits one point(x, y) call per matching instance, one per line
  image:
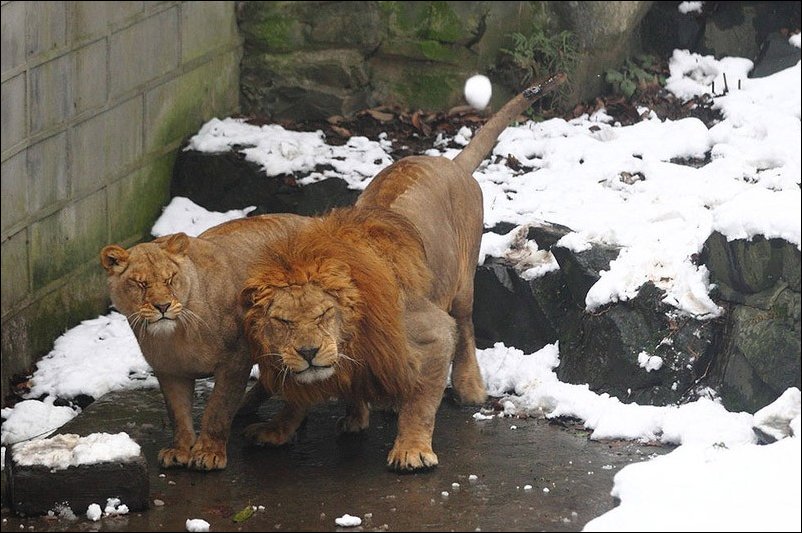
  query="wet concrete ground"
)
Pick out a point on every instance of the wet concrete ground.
point(306, 485)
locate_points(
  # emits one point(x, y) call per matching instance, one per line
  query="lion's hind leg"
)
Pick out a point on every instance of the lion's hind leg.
point(466, 377)
point(278, 431)
point(431, 338)
point(356, 419)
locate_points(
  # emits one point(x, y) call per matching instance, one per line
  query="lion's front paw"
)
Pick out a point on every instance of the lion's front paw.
point(208, 455)
point(268, 434)
point(408, 458)
point(174, 457)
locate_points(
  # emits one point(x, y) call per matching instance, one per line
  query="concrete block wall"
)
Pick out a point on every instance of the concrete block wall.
point(96, 99)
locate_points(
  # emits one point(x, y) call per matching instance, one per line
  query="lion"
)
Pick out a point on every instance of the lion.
point(340, 309)
point(181, 297)
point(372, 303)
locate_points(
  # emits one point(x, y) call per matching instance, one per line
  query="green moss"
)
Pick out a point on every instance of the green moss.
point(434, 51)
point(429, 90)
point(439, 22)
point(150, 186)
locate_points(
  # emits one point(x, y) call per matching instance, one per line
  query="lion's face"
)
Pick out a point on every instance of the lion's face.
point(148, 283)
point(302, 329)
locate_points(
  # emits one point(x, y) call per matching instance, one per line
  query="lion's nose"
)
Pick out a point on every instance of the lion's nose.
point(162, 307)
point(307, 352)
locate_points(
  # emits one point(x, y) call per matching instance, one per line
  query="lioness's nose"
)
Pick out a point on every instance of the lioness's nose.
point(307, 352)
point(162, 307)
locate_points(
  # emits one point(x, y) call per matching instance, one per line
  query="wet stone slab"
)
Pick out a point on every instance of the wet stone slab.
point(307, 485)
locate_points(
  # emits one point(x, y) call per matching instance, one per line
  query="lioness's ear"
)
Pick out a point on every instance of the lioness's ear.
point(114, 258)
point(176, 243)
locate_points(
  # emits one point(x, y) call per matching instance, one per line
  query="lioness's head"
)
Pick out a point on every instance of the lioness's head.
point(148, 283)
point(298, 317)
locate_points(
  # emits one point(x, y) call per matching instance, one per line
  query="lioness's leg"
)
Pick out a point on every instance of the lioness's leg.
point(431, 337)
point(281, 427)
point(209, 451)
point(466, 378)
point(177, 392)
point(356, 419)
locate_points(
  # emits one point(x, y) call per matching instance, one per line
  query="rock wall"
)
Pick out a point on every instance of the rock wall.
point(312, 60)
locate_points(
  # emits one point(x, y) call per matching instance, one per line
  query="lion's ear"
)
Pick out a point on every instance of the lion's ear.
point(176, 243)
point(247, 297)
point(254, 294)
point(114, 258)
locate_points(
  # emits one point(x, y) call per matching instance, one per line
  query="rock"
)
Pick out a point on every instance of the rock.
point(776, 54)
point(760, 357)
point(581, 269)
point(759, 282)
point(602, 349)
point(740, 267)
point(36, 489)
point(219, 182)
point(524, 314)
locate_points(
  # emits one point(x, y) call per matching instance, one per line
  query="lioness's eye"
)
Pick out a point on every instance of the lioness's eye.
point(169, 280)
point(281, 320)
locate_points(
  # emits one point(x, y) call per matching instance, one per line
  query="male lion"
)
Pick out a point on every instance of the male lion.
point(180, 295)
point(361, 303)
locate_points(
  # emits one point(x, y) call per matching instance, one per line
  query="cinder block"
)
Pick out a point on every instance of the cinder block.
point(46, 24)
point(68, 239)
point(89, 79)
point(35, 490)
point(105, 144)
point(12, 35)
point(15, 270)
point(91, 20)
point(50, 94)
point(144, 51)
point(47, 172)
point(12, 111)
point(206, 26)
point(14, 199)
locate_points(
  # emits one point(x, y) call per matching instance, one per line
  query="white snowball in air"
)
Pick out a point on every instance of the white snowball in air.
point(478, 91)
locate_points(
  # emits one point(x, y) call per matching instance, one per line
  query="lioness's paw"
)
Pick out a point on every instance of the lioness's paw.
point(267, 434)
point(409, 459)
point(174, 457)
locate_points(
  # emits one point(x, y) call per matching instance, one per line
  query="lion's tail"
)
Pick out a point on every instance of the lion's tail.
point(485, 138)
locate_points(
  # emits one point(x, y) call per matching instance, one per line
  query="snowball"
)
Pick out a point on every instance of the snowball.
point(478, 91)
point(93, 512)
point(197, 524)
point(347, 520)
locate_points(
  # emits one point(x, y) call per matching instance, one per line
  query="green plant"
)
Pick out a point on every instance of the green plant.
point(636, 74)
point(539, 55)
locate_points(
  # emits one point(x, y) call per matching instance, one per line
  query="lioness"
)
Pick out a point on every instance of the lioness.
point(181, 295)
point(361, 304)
